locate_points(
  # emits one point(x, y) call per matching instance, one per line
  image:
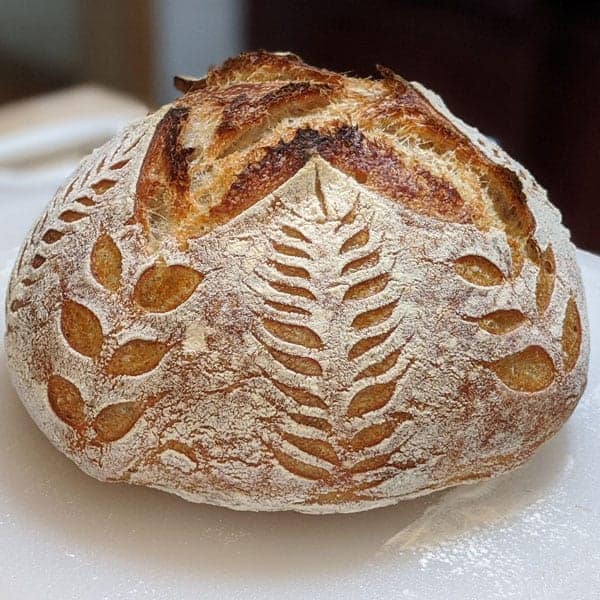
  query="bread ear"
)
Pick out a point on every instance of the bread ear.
point(185, 84)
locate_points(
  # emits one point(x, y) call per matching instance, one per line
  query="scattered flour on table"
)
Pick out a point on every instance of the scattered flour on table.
point(459, 528)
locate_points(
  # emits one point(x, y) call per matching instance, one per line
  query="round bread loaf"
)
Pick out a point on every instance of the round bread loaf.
point(295, 290)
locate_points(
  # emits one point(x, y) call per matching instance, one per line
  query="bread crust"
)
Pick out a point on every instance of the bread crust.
point(297, 290)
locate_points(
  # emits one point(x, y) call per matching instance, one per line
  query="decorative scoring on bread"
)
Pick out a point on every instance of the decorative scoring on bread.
point(294, 289)
point(545, 279)
point(66, 402)
point(501, 321)
point(115, 420)
point(162, 288)
point(81, 328)
point(479, 270)
point(571, 334)
point(529, 370)
point(356, 449)
point(106, 262)
point(136, 357)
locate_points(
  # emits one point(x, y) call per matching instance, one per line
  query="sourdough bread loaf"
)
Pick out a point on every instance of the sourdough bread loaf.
point(295, 290)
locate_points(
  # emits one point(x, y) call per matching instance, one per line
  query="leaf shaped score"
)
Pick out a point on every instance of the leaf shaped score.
point(378, 432)
point(302, 397)
point(478, 270)
point(571, 335)
point(116, 420)
point(500, 322)
point(81, 328)
point(162, 288)
point(70, 216)
point(66, 402)
point(136, 357)
point(106, 263)
point(52, 236)
point(294, 334)
point(37, 261)
point(299, 364)
point(530, 370)
point(313, 446)
point(381, 367)
point(299, 467)
point(102, 186)
point(367, 288)
point(545, 280)
point(118, 165)
point(371, 398)
point(85, 201)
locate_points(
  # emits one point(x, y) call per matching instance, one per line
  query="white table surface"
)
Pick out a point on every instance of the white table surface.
point(531, 534)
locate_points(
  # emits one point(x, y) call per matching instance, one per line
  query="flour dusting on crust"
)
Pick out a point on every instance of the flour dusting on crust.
point(296, 290)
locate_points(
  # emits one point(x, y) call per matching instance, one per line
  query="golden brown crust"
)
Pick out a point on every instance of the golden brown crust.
point(267, 66)
point(164, 182)
point(251, 151)
point(245, 115)
point(406, 104)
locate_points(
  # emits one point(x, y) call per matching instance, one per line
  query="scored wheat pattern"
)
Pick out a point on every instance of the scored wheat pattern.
point(160, 288)
point(98, 174)
point(329, 325)
point(530, 369)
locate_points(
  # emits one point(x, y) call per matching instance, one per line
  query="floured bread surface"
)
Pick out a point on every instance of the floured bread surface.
point(292, 289)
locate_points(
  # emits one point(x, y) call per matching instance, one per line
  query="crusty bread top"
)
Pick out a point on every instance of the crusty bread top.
point(257, 119)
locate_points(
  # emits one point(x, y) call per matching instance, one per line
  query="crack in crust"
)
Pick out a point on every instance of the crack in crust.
point(244, 119)
point(162, 194)
point(245, 129)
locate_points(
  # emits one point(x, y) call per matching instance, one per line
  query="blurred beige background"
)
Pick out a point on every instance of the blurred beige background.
point(135, 45)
